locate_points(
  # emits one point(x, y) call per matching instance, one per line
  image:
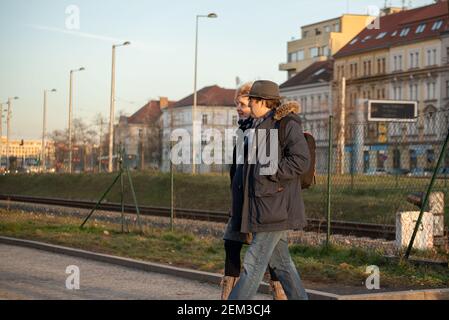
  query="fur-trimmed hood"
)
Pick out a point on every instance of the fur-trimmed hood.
point(285, 109)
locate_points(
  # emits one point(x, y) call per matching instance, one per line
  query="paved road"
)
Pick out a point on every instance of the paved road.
point(33, 274)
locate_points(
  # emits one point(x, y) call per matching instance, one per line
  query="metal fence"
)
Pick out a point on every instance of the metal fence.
point(375, 166)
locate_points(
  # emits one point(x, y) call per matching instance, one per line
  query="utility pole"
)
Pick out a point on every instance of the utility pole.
point(341, 131)
point(44, 133)
point(195, 93)
point(71, 115)
point(8, 129)
point(100, 146)
point(112, 108)
point(1, 134)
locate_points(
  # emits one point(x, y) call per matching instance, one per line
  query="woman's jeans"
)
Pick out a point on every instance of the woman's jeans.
point(268, 248)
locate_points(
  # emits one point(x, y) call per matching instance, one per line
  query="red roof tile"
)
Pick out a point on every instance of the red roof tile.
point(149, 113)
point(368, 39)
point(210, 96)
point(312, 74)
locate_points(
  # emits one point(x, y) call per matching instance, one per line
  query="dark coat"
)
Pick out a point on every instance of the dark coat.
point(273, 203)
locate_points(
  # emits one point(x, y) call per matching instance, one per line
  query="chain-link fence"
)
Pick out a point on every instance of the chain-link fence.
point(376, 165)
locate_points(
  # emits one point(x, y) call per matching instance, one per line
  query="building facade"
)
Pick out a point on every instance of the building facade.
point(321, 40)
point(140, 135)
point(312, 88)
point(404, 60)
point(215, 110)
point(26, 154)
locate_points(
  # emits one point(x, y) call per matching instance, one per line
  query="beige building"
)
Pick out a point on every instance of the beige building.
point(215, 111)
point(140, 134)
point(30, 150)
point(404, 60)
point(321, 40)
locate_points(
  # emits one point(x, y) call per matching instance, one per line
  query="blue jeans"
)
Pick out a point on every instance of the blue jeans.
point(268, 248)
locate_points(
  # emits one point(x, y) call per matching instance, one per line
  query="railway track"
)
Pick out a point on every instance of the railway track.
point(375, 231)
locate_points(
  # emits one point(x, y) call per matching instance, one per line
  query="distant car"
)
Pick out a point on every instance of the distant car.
point(398, 172)
point(419, 172)
point(376, 172)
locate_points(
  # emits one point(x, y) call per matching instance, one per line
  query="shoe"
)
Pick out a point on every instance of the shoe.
point(277, 290)
point(227, 284)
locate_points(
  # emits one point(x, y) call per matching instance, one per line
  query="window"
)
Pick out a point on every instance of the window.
point(431, 57)
point(430, 89)
point(300, 55)
point(327, 29)
point(397, 92)
point(394, 33)
point(305, 34)
point(437, 25)
point(337, 27)
point(234, 120)
point(413, 159)
point(396, 159)
point(430, 157)
point(404, 32)
point(314, 52)
point(421, 28)
point(414, 60)
point(381, 35)
point(413, 92)
point(204, 119)
point(353, 41)
point(366, 38)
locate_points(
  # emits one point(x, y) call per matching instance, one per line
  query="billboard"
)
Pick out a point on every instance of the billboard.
point(392, 111)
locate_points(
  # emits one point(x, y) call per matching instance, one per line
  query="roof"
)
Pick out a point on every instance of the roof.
point(392, 25)
point(149, 113)
point(320, 71)
point(210, 96)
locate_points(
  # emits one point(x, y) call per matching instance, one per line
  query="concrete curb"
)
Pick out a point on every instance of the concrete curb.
point(214, 278)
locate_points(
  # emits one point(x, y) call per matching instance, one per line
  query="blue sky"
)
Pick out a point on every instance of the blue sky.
point(247, 40)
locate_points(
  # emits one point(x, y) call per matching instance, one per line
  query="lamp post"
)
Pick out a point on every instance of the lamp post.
point(44, 128)
point(112, 110)
point(195, 95)
point(1, 133)
point(70, 114)
point(8, 129)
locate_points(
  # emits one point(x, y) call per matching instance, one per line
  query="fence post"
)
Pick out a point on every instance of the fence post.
point(329, 174)
point(426, 198)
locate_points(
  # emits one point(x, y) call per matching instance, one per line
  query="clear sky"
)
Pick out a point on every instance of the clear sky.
point(249, 40)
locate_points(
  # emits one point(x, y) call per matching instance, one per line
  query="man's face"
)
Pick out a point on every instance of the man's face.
point(242, 104)
point(258, 108)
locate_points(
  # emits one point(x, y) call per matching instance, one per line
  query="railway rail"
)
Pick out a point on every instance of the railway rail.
point(370, 230)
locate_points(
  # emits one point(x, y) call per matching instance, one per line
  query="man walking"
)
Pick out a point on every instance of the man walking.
point(272, 199)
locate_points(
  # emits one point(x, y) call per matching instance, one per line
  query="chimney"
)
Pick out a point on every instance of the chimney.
point(163, 102)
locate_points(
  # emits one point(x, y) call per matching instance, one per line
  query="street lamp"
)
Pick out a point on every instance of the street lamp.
point(44, 127)
point(1, 132)
point(8, 129)
point(112, 110)
point(195, 94)
point(70, 114)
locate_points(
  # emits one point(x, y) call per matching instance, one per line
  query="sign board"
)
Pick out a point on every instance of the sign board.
point(392, 111)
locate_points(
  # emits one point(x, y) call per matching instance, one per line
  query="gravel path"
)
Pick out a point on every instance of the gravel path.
point(201, 228)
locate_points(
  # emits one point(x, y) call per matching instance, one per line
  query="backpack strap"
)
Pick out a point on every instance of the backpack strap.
point(281, 125)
